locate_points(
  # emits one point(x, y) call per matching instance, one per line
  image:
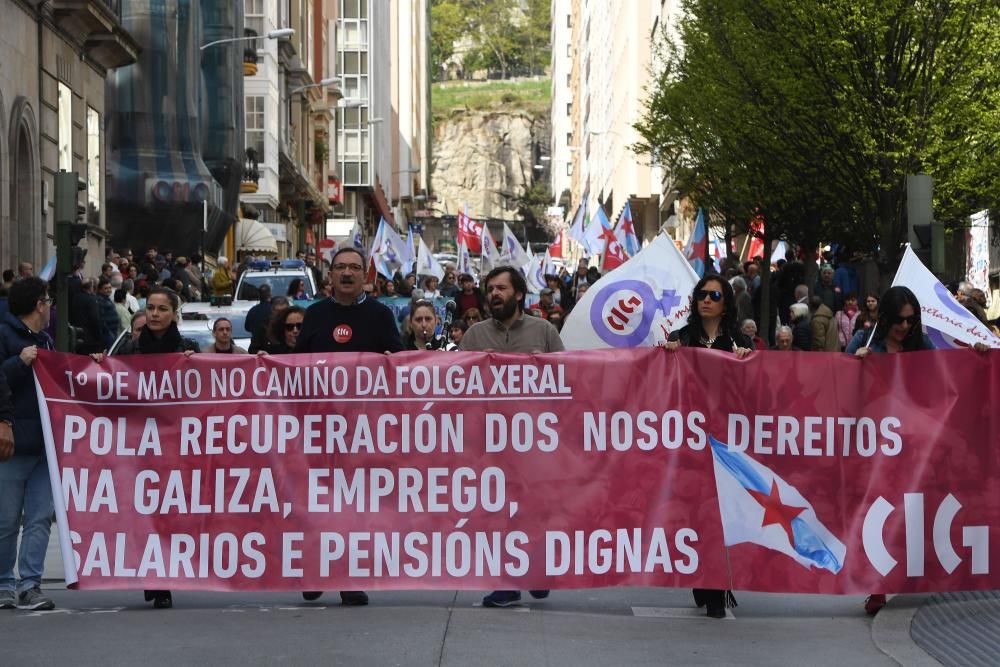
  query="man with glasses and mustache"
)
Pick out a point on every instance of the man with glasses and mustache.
point(349, 321)
point(510, 330)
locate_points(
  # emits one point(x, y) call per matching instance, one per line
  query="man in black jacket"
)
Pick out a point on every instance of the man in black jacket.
point(349, 321)
point(24, 478)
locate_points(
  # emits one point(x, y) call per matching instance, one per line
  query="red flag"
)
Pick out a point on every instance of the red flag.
point(614, 253)
point(756, 237)
point(469, 231)
point(372, 274)
point(555, 248)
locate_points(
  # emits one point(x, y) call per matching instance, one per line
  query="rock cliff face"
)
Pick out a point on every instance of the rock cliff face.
point(486, 160)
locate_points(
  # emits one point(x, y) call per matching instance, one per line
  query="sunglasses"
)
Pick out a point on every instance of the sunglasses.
point(292, 326)
point(911, 320)
point(702, 294)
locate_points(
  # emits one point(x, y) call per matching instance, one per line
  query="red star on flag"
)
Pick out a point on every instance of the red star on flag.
point(775, 511)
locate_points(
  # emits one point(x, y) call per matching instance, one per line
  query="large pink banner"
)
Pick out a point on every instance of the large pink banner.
point(812, 472)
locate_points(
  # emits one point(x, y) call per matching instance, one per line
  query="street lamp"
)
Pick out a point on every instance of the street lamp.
point(375, 121)
point(345, 103)
point(323, 83)
point(272, 34)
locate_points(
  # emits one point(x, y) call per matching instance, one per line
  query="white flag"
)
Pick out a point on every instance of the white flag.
point(512, 253)
point(636, 305)
point(465, 260)
point(357, 238)
point(490, 256)
point(939, 310)
point(426, 264)
point(535, 274)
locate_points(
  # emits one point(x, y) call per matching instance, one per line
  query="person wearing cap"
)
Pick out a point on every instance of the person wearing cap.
point(546, 305)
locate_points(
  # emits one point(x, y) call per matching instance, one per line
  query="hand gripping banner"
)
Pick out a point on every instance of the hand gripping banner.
point(794, 472)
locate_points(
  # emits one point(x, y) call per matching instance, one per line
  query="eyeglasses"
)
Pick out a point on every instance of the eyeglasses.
point(348, 267)
point(292, 326)
point(911, 320)
point(714, 295)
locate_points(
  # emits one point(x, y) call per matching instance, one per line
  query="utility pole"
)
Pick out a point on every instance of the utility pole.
point(69, 233)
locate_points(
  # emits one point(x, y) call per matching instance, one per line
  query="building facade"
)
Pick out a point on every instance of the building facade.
point(56, 57)
point(602, 58)
point(382, 123)
point(287, 108)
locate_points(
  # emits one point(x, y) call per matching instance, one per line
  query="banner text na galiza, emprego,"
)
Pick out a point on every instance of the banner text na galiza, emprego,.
point(812, 473)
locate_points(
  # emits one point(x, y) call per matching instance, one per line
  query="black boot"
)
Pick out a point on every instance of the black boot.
point(160, 599)
point(715, 601)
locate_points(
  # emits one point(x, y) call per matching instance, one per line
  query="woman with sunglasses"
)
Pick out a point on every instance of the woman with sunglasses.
point(284, 331)
point(159, 335)
point(896, 329)
point(712, 324)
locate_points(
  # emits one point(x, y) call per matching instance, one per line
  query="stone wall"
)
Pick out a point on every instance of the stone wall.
point(485, 160)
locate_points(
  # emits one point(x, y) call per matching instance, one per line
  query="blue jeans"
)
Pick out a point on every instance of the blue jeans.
point(24, 489)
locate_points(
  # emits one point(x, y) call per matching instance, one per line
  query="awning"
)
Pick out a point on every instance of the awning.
point(252, 236)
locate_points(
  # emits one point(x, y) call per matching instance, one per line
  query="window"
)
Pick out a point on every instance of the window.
point(93, 166)
point(569, 168)
point(64, 102)
point(569, 50)
point(569, 108)
point(569, 20)
point(255, 125)
point(354, 9)
point(253, 11)
point(569, 80)
point(569, 138)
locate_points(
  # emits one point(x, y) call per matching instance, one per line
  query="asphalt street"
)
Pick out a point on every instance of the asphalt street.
point(581, 628)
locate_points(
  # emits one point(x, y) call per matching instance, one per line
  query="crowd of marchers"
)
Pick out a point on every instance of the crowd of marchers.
point(144, 298)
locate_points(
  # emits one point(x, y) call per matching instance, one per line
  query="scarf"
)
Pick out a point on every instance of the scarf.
point(170, 341)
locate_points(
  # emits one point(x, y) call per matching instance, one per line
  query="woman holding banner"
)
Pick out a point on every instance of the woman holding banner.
point(713, 324)
point(159, 335)
point(895, 329)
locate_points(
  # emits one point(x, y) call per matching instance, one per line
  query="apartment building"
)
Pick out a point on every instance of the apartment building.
point(56, 58)
point(602, 59)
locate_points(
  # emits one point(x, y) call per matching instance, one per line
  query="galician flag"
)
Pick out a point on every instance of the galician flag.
point(595, 235)
point(625, 232)
point(579, 222)
point(427, 265)
point(758, 507)
point(697, 245)
point(534, 274)
point(635, 305)
point(945, 320)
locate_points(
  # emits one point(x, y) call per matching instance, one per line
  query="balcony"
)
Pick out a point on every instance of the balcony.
point(250, 58)
point(251, 173)
point(97, 24)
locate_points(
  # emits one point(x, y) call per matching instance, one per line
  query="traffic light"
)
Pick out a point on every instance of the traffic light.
point(68, 213)
point(69, 255)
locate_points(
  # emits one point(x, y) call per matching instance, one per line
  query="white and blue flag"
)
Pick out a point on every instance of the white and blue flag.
point(759, 507)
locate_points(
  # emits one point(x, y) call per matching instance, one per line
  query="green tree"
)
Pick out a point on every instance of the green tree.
point(447, 24)
point(814, 112)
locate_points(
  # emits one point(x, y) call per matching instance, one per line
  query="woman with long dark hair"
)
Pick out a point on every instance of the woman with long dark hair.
point(867, 313)
point(713, 324)
point(284, 330)
point(897, 326)
point(159, 335)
